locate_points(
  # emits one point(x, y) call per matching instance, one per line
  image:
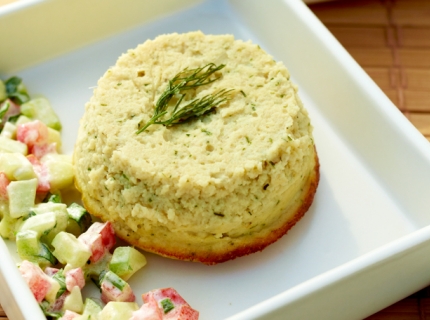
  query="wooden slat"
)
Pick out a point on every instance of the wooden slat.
point(355, 36)
point(351, 12)
point(385, 77)
point(417, 79)
point(372, 57)
point(414, 37)
point(411, 13)
point(414, 58)
point(421, 121)
point(417, 101)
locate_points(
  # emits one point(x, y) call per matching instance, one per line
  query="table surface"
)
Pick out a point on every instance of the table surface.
point(390, 39)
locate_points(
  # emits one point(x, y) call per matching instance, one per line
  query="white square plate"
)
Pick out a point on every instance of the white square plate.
point(366, 233)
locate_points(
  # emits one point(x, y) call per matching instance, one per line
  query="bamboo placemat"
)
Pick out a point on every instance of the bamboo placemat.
point(390, 39)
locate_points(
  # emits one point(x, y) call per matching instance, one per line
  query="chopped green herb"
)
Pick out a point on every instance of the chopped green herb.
point(241, 91)
point(183, 81)
point(53, 197)
point(167, 305)
point(16, 90)
point(61, 279)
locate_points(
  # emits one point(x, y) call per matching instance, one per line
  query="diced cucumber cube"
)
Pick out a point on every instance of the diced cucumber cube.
point(3, 93)
point(68, 249)
point(54, 136)
point(73, 301)
point(57, 157)
point(41, 223)
point(91, 309)
point(40, 108)
point(8, 227)
point(76, 212)
point(16, 166)
point(94, 270)
point(22, 119)
point(114, 279)
point(49, 207)
point(126, 261)
point(79, 219)
point(30, 248)
point(61, 173)
point(118, 310)
point(74, 228)
point(9, 145)
point(9, 131)
point(61, 219)
point(4, 208)
point(21, 197)
point(51, 296)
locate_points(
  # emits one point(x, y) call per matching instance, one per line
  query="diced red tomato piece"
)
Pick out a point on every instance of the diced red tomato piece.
point(40, 150)
point(32, 133)
point(70, 315)
point(95, 244)
point(161, 294)
point(112, 293)
point(75, 277)
point(100, 238)
point(37, 280)
point(4, 182)
point(181, 311)
point(42, 174)
point(107, 232)
point(148, 311)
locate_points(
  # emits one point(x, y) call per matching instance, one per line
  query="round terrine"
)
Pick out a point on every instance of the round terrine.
point(209, 186)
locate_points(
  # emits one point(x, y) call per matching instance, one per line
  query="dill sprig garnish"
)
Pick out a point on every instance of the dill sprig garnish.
point(186, 80)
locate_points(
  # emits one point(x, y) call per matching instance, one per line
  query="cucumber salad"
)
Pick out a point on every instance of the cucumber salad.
point(62, 248)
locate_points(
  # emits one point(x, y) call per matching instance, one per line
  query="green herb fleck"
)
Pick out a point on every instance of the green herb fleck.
point(207, 132)
point(167, 305)
point(241, 91)
point(61, 279)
